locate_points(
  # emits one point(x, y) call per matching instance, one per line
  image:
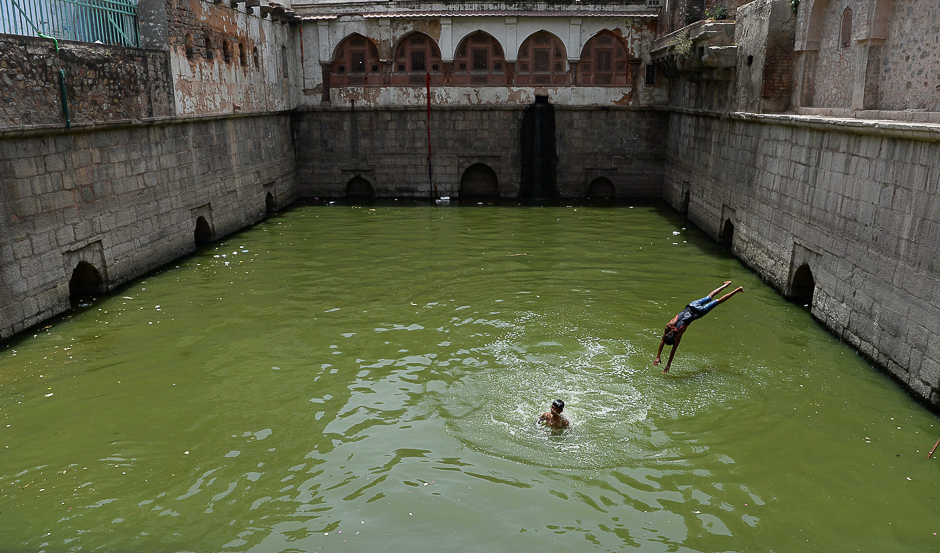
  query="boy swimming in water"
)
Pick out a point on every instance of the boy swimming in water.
point(695, 310)
point(553, 417)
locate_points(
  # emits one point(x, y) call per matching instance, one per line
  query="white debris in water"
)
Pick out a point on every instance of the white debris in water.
point(676, 233)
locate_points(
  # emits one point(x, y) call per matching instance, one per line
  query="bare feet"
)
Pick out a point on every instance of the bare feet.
point(665, 370)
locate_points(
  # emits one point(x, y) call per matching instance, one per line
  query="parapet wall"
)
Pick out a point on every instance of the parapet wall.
point(389, 147)
point(855, 202)
point(102, 83)
point(126, 199)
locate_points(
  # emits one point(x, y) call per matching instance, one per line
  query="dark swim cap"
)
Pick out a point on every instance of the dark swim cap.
point(559, 404)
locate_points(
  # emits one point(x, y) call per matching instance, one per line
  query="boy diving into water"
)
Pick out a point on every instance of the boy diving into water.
point(695, 310)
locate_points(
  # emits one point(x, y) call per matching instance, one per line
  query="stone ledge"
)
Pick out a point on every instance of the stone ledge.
point(927, 132)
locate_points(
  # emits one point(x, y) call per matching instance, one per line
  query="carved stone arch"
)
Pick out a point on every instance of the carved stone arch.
point(356, 62)
point(542, 60)
point(479, 182)
point(87, 270)
point(604, 61)
point(203, 226)
point(479, 60)
point(416, 55)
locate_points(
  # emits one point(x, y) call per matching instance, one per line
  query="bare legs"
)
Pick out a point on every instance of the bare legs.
point(719, 289)
point(722, 299)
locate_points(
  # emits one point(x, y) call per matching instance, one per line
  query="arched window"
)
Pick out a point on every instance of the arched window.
point(845, 34)
point(254, 55)
point(416, 56)
point(542, 61)
point(356, 63)
point(226, 51)
point(242, 55)
point(479, 61)
point(603, 62)
point(189, 47)
point(210, 51)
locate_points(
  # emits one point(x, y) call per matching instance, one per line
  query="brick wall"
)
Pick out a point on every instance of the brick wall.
point(388, 147)
point(858, 204)
point(125, 199)
point(102, 83)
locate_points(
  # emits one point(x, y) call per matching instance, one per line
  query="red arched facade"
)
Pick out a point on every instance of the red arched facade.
point(479, 61)
point(604, 62)
point(356, 63)
point(416, 56)
point(541, 61)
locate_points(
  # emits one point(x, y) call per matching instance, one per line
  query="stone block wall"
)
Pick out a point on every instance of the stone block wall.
point(389, 148)
point(227, 58)
point(103, 83)
point(125, 199)
point(856, 202)
point(764, 35)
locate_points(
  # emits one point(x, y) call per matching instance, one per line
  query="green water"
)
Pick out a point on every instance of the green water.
point(343, 379)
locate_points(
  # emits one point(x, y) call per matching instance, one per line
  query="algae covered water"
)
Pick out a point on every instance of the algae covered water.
point(366, 379)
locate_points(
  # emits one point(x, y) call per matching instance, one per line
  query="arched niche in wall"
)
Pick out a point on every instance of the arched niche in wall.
point(202, 234)
point(601, 189)
point(359, 189)
point(604, 61)
point(802, 286)
point(356, 63)
point(479, 182)
point(416, 56)
point(542, 61)
point(479, 60)
point(85, 281)
point(814, 24)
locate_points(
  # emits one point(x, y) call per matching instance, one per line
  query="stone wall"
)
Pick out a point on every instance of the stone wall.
point(764, 35)
point(388, 147)
point(126, 199)
point(888, 60)
point(855, 202)
point(102, 83)
point(227, 58)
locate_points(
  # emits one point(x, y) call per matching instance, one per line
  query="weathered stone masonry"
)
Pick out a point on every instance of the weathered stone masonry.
point(855, 201)
point(126, 199)
point(388, 147)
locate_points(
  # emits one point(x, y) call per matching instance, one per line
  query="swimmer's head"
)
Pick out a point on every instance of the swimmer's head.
point(559, 405)
point(669, 338)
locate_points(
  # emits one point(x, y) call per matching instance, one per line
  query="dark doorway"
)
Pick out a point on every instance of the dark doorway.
point(479, 182)
point(269, 205)
point(85, 282)
point(601, 189)
point(803, 286)
point(727, 233)
point(359, 189)
point(203, 232)
point(686, 200)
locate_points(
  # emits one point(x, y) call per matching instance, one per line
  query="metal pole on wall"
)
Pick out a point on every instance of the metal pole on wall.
point(431, 186)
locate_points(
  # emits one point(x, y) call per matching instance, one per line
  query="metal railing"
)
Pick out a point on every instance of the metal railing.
point(97, 21)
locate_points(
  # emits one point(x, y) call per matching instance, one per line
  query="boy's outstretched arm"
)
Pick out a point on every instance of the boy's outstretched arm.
point(659, 353)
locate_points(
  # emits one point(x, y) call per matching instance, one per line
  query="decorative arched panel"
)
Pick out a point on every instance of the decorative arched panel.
point(416, 56)
point(479, 61)
point(356, 63)
point(542, 61)
point(604, 62)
